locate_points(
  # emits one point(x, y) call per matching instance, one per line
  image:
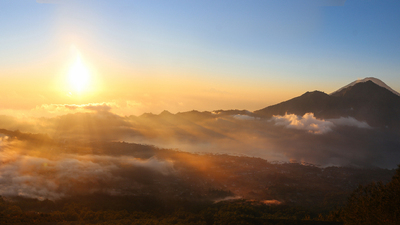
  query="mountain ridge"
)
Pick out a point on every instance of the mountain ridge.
point(364, 100)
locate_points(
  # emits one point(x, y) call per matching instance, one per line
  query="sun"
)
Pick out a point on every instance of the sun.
point(79, 76)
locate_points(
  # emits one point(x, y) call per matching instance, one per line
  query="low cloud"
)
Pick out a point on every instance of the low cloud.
point(164, 167)
point(58, 176)
point(98, 108)
point(311, 124)
point(82, 152)
point(243, 117)
point(229, 198)
point(342, 141)
point(60, 109)
point(307, 122)
point(350, 121)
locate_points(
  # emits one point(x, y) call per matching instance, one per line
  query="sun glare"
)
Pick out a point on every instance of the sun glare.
point(79, 76)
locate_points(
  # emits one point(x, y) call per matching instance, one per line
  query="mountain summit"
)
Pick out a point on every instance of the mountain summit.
point(373, 79)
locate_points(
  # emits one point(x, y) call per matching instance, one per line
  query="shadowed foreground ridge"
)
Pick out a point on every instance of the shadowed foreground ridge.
point(374, 204)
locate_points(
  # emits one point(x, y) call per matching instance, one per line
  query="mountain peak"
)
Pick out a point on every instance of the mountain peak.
point(165, 113)
point(373, 79)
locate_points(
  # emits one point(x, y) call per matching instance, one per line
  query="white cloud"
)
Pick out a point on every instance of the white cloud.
point(307, 122)
point(59, 176)
point(350, 121)
point(62, 109)
point(311, 124)
point(164, 167)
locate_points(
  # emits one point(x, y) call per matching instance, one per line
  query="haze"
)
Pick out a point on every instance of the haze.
point(101, 96)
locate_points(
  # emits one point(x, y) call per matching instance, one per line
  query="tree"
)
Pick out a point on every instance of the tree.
point(374, 204)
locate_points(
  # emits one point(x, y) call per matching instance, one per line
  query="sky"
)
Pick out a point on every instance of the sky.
point(150, 56)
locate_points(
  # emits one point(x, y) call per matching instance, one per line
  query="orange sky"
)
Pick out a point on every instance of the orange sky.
point(131, 90)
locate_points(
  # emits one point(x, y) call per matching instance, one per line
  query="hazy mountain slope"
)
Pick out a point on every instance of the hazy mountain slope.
point(315, 101)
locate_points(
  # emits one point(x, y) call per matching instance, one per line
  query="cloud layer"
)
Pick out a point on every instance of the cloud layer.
point(83, 152)
point(40, 174)
point(341, 141)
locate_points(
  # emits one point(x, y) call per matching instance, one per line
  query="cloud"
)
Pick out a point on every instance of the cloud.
point(164, 167)
point(229, 198)
point(307, 122)
point(121, 107)
point(243, 117)
point(342, 141)
point(350, 121)
point(59, 109)
point(74, 155)
point(55, 177)
point(97, 107)
point(13, 123)
point(311, 124)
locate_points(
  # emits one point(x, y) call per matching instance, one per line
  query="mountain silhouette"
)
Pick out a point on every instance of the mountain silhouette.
point(367, 101)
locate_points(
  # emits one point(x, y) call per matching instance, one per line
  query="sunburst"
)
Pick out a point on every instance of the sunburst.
point(79, 76)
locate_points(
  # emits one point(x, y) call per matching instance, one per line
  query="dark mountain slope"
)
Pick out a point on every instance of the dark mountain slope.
point(365, 101)
point(372, 103)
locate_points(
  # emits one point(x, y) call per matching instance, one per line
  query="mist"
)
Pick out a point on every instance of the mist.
point(305, 138)
point(221, 155)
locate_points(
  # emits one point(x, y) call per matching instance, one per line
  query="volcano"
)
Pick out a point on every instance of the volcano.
point(369, 100)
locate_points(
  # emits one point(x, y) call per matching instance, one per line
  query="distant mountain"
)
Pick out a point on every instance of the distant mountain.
point(368, 100)
point(198, 116)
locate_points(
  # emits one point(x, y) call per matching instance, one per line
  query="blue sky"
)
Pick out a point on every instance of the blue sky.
point(237, 47)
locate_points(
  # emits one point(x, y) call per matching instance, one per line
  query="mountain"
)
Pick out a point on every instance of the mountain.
point(368, 100)
point(373, 79)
